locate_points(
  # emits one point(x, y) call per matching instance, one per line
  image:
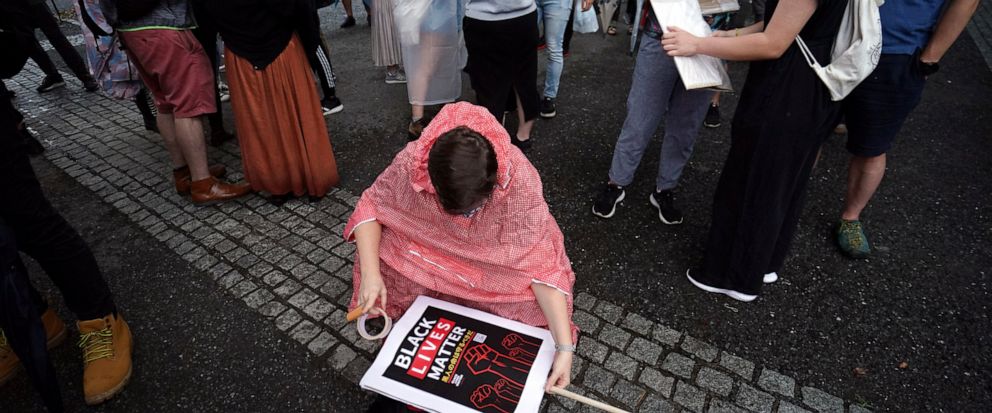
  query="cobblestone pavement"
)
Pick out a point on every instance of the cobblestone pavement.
point(291, 265)
point(980, 29)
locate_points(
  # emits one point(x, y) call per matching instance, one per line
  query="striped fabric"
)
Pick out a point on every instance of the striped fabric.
point(385, 40)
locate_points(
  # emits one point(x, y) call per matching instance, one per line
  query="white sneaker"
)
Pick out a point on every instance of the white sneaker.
point(739, 296)
point(770, 278)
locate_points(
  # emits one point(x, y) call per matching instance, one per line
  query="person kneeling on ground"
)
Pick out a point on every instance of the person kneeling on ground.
point(460, 216)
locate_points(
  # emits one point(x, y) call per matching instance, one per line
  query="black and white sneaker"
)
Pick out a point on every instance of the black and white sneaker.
point(50, 83)
point(666, 207)
point(548, 108)
point(331, 105)
point(712, 119)
point(605, 204)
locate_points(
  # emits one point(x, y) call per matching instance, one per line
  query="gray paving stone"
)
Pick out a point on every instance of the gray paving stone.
point(335, 265)
point(275, 277)
point(627, 393)
point(614, 336)
point(205, 263)
point(644, 350)
point(289, 262)
point(737, 365)
point(586, 322)
point(625, 366)
point(593, 350)
point(258, 298)
point(341, 356)
point(288, 288)
point(822, 401)
point(242, 288)
point(303, 271)
point(319, 309)
point(665, 335)
point(723, 406)
point(322, 343)
point(786, 407)
point(334, 288)
point(220, 270)
point(678, 365)
point(655, 404)
point(317, 279)
point(318, 256)
point(584, 301)
point(230, 280)
point(657, 381)
point(705, 351)
point(637, 324)
point(288, 319)
point(304, 332)
point(344, 250)
point(609, 312)
point(689, 396)
point(776, 382)
point(753, 399)
point(353, 371)
point(303, 298)
point(599, 380)
point(715, 381)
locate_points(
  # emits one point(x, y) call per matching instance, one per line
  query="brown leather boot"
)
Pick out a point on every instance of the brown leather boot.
point(183, 180)
point(106, 343)
point(210, 191)
point(54, 331)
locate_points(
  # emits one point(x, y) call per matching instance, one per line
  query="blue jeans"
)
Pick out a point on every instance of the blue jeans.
point(657, 93)
point(554, 14)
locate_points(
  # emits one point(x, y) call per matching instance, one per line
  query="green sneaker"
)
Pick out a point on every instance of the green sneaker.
point(852, 240)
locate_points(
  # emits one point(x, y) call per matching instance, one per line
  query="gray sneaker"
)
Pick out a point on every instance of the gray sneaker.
point(396, 77)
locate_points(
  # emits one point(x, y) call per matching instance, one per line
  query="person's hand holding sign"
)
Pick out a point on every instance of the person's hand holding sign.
point(561, 371)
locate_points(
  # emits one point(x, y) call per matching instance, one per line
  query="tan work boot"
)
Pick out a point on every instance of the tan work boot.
point(106, 344)
point(184, 182)
point(10, 364)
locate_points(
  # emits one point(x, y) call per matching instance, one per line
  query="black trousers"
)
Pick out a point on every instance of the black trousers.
point(502, 63)
point(20, 321)
point(320, 62)
point(42, 18)
point(43, 234)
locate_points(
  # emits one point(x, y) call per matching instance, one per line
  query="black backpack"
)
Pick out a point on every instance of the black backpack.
point(16, 40)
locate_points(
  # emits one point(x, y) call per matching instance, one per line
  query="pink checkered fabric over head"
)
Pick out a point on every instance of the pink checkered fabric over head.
point(488, 261)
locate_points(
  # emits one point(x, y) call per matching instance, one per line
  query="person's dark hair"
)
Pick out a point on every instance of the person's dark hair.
point(462, 166)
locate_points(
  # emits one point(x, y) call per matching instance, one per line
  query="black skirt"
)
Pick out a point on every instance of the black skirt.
point(502, 63)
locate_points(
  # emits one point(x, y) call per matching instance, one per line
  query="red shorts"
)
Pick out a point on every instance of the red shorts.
point(175, 69)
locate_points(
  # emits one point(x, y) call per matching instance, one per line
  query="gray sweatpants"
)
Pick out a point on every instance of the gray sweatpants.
point(657, 93)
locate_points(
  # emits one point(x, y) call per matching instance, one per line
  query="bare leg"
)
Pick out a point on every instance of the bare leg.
point(716, 99)
point(347, 7)
point(167, 128)
point(863, 178)
point(524, 127)
point(416, 112)
point(189, 136)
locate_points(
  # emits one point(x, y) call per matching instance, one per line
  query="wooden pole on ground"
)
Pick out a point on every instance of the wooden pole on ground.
point(587, 401)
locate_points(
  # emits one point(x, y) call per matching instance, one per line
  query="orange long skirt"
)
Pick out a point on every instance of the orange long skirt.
point(285, 147)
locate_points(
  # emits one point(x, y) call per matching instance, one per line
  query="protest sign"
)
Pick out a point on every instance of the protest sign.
point(443, 357)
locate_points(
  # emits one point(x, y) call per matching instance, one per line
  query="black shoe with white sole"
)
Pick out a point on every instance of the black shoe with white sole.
point(605, 204)
point(712, 119)
point(50, 83)
point(667, 212)
point(548, 108)
point(331, 105)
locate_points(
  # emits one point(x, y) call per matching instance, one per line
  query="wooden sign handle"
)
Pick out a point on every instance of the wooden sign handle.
point(587, 401)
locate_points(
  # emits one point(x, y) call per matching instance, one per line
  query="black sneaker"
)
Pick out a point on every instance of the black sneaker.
point(548, 108)
point(712, 117)
point(50, 83)
point(349, 22)
point(331, 105)
point(606, 203)
point(90, 85)
point(666, 207)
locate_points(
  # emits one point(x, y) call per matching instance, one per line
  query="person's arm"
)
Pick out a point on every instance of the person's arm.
point(586, 4)
point(367, 237)
point(554, 304)
point(781, 31)
point(949, 27)
point(743, 31)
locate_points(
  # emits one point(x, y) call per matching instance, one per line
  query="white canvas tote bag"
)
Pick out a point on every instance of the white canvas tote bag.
point(856, 49)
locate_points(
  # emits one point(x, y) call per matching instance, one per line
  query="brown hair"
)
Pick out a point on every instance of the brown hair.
point(462, 167)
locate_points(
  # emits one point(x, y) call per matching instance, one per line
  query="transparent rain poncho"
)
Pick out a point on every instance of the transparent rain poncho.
point(433, 48)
